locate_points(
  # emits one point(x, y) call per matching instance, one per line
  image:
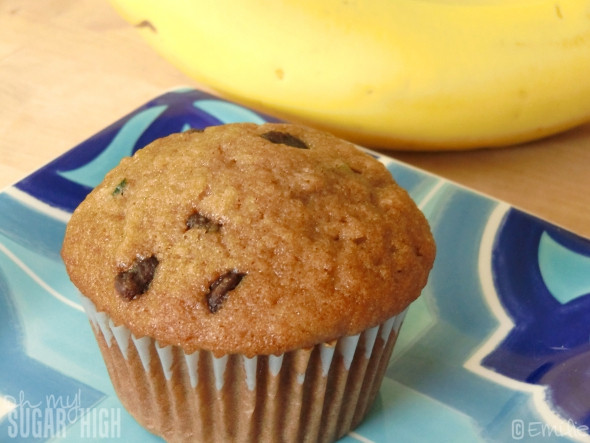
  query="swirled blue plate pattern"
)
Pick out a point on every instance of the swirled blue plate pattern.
point(496, 349)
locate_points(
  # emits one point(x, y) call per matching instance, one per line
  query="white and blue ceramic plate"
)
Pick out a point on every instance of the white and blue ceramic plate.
point(496, 349)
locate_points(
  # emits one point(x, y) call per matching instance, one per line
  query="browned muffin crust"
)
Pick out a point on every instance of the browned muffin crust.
point(253, 239)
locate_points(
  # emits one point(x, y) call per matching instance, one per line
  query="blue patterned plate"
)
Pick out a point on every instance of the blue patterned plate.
point(496, 349)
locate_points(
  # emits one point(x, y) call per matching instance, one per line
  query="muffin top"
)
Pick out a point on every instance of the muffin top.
point(252, 239)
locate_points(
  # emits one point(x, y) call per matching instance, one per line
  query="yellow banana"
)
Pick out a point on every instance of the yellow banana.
point(404, 74)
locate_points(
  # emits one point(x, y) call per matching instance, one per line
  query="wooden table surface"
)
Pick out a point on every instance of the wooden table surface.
point(68, 68)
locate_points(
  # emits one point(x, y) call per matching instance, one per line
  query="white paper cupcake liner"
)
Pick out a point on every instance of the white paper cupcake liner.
point(306, 395)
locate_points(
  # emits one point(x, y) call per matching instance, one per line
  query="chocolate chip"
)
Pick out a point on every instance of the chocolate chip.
point(284, 138)
point(220, 289)
point(200, 221)
point(136, 280)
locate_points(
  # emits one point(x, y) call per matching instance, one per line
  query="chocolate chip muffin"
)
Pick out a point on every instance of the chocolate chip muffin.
point(261, 270)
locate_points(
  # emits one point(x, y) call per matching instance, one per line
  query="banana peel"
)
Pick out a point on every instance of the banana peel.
point(404, 74)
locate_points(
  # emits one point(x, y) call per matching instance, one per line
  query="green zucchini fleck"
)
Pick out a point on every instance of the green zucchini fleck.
point(120, 187)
